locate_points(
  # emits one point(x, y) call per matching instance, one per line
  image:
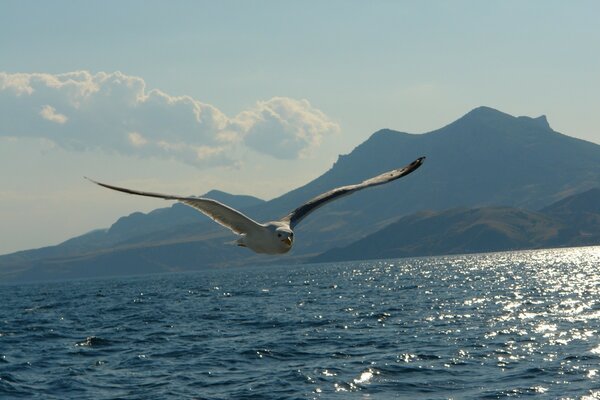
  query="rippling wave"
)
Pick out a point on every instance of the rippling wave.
point(485, 326)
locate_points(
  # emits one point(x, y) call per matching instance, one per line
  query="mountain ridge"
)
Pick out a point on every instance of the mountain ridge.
point(485, 158)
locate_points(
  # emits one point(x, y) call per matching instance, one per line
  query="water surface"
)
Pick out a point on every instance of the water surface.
point(504, 325)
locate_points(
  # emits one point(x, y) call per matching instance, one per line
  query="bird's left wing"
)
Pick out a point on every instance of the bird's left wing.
point(219, 212)
point(301, 212)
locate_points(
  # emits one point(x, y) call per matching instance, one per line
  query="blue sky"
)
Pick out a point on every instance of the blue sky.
point(257, 97)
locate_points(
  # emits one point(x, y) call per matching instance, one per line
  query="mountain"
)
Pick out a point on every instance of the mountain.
point(140, 224)
point(485, 158)
point(574, 221)
point(580, 216)
point(122, 248)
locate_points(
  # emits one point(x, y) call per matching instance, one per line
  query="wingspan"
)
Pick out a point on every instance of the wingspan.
point(301, 212)
point(219, 212)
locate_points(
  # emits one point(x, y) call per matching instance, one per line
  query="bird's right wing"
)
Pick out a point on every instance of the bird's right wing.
point(301, 212)
point(219, 212)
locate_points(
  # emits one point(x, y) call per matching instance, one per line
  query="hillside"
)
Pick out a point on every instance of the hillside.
point(574, 221)
point(484, 158)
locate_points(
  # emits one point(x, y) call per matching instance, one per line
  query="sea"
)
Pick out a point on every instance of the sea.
point(486, 326)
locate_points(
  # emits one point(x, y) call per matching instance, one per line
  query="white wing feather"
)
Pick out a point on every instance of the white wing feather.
point(218, 212)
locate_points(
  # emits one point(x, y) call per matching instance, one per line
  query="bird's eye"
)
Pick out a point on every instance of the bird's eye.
point(279, 235)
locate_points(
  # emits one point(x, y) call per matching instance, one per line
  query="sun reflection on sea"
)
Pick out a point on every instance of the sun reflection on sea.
point(501, 325)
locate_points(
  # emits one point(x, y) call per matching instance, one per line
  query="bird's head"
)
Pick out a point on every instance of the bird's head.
point(285, 235)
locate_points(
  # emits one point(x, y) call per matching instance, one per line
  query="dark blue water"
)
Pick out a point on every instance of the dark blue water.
point(522, 324)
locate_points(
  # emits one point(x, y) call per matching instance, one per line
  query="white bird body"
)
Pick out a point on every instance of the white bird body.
point(274, 237)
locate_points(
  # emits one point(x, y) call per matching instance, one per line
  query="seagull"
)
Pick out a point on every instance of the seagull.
point(273, 237)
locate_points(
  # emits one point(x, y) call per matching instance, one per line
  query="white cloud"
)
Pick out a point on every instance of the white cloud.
point(49, 113)
point(115, 112)
point(136, 139)
point(285, 128)
point(16, 83)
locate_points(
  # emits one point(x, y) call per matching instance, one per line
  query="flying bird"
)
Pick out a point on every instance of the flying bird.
point(273, 237)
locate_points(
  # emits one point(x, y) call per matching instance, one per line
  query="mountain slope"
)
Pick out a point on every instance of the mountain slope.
point(580, 216)
point(484, 158)
point(174, 223)
point(571, 221)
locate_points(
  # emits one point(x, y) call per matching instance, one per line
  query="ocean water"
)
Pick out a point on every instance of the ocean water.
point(488, 326)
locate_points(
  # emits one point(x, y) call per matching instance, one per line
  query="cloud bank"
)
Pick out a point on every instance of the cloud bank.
point(116, 113)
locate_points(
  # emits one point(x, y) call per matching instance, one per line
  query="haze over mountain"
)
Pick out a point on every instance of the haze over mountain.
point(486, 158)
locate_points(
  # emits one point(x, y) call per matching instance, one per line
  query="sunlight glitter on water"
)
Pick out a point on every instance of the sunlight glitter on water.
point(365, 377)
point(469, 327)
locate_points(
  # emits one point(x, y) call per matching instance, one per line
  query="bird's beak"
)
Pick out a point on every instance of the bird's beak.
point(288, 241)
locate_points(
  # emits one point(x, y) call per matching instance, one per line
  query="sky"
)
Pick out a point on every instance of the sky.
point(257, 97)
